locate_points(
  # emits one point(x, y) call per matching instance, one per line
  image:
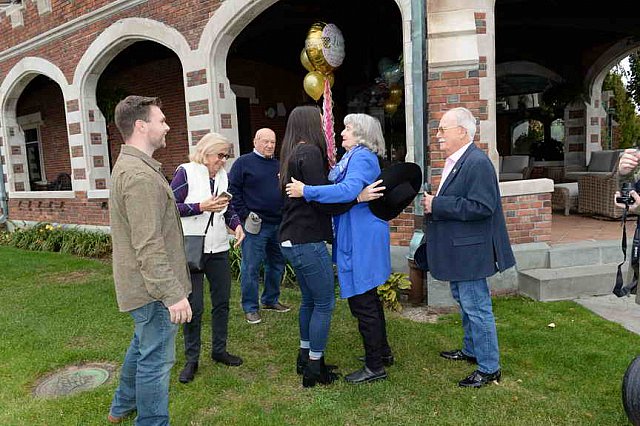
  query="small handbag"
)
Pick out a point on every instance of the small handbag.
point(194, 249)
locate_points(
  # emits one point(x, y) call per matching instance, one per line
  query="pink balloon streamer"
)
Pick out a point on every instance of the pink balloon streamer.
point(327, 123)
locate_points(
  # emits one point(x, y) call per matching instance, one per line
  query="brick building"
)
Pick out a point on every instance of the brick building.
point(63, 65)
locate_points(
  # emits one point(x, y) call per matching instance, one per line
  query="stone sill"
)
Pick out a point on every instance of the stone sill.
point(97, 193)
point(41, 194)
point(525, 187)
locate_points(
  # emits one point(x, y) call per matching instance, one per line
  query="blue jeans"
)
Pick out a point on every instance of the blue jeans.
point(314, 273)
point(144, 378)
point(256, 249)
point(479, 325)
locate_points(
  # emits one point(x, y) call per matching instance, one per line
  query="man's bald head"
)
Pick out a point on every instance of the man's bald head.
point(265, 142)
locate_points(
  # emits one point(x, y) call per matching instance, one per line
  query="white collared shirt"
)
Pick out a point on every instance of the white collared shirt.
point(450, 163)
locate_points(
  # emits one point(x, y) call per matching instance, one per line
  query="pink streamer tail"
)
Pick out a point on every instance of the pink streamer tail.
point(327, 123)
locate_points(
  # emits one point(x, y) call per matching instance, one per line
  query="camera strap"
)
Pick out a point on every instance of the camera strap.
point(620, 289)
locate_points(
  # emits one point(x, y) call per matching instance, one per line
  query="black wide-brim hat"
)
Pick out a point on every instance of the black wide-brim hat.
point(403, 182)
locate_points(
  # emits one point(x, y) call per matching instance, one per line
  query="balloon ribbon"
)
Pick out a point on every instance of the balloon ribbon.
point(327, 123)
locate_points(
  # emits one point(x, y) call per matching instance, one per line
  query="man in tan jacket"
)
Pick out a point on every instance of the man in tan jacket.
point(149, 265)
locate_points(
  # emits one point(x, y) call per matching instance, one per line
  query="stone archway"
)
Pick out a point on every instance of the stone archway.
point(14, 148)
point(595, 112)
point(227, 23)
point(96, 58)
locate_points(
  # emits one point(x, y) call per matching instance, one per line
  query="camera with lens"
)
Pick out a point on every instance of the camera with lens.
point(625, 194)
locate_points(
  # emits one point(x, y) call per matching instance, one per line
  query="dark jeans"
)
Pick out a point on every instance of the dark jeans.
point(368, 310)
point(216, 267)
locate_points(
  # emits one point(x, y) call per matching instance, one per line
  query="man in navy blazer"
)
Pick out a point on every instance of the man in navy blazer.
point(467, 241)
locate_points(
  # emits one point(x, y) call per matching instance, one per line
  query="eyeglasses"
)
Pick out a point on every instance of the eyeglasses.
point(224, 156)
point(442, 129)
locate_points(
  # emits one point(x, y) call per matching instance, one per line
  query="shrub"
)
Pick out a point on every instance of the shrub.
point(235, 261)
point(388, 291)
point(47, 237)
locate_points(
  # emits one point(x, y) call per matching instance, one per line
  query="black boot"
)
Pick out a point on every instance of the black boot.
point(316, 371)
point(188, 372)
point(303, 360)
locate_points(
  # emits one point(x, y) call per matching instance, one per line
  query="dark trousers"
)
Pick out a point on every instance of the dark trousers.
point(216, 268)
point(368, 310)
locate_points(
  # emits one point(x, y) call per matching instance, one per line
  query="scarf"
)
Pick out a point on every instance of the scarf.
point(338, 172)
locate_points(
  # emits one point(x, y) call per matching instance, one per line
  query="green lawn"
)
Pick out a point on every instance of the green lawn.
point(57, 310)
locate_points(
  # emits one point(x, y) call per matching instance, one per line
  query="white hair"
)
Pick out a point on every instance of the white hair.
point(465, 119)
point(368, 131)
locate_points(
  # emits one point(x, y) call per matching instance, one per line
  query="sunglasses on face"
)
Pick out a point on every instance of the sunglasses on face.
point(223, 156)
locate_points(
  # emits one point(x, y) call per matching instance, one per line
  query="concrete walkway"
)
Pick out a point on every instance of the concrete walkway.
point(623, 310)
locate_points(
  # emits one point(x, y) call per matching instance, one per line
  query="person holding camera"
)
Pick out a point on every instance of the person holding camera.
point(629, 199)
point(629, 174)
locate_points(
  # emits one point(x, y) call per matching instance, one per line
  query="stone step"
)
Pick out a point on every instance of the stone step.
point(585, 253)
point(568, 283)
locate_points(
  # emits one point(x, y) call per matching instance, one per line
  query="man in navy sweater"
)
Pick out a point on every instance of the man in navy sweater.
point(253, 182)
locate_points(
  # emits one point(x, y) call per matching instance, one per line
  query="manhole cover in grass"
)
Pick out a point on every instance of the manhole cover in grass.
point(74, 379)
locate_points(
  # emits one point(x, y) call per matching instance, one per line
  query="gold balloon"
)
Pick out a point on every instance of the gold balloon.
point(314, 84)
point(304, 59)
point(325, 38)
point(395, 94)
point(390, 108)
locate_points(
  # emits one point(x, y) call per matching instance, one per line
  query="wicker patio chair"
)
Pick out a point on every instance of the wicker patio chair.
point(565, 197)
point(596, 195)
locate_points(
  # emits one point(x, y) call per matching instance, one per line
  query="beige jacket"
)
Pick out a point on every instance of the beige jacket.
point(149, 262)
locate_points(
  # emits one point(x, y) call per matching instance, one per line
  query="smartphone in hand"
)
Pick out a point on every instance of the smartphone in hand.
point(226, 194)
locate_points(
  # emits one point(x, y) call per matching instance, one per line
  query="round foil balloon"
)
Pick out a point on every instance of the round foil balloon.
point(325, 47)
point(383, 64)
point(393, 74)
point(304, 59)
point(314, 84)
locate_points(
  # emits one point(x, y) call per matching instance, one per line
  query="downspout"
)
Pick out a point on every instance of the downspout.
point(4, 205)
point(419, 73)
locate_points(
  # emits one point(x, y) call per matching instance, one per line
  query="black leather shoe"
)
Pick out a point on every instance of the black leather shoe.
point(387, 360)
point(478, 379)
point(188, 372)
point(364, 375)
point(458, 355)
point(227, 359)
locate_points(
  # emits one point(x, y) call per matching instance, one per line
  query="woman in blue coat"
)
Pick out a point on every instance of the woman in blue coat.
point(361, 247)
